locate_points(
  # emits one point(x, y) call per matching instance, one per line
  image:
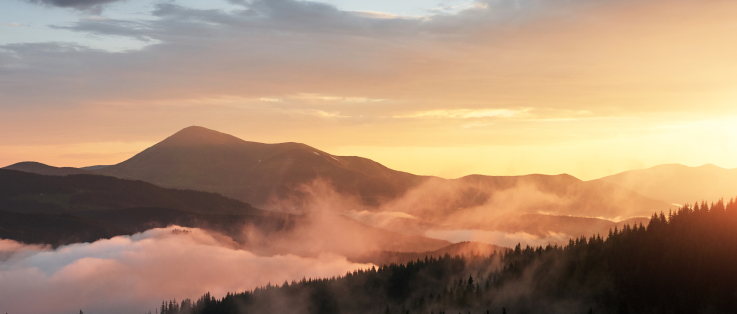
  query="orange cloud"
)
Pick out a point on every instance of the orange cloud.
point(578, 80)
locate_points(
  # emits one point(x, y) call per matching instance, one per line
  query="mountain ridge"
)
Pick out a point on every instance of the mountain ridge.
point(679, 184)
point(255, 172)
point(58, 210)
point(266, 174)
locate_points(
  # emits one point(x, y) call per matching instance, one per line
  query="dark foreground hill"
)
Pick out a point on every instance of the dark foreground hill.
point(26, 192)
point(57, 210)
point(685, 262)
point(55, 230)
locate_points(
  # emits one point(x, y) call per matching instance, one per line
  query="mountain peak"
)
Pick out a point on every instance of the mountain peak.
point(711, 166)
point(197, 135)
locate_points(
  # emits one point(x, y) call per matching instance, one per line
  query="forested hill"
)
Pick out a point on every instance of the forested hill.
point(27, 193)
point(58, 210)
point(682, 262)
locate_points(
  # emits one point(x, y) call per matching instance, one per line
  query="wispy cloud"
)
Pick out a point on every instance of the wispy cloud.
point(11, 24)
point(267, 99)
point(324, 114)
point(86, 5)
point(464, 113)
point(454, 8)
point(319, 97)
point(376, 15)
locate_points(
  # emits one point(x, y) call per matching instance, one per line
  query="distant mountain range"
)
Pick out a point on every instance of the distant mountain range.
point(201, 159)
point(679, 184)
point(39, 168)
point(263, 175)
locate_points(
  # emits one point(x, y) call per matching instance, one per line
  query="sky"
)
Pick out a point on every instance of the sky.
point(447, 88)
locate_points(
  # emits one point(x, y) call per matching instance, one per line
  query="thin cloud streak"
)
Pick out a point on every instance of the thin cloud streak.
point(465, 113)
point(85, 5)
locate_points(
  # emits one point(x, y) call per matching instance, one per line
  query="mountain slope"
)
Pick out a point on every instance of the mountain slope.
point(39, 168)
point(681, 264)
point(28, 192)
point(282, 177)
point(203, 159)
point(679, 184)
point(38, 228)
point(66, 209)
point(465, 248)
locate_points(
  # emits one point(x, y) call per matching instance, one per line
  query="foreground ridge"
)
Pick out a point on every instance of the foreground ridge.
point(682, 262)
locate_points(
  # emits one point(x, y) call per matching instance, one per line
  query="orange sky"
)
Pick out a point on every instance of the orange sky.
point(588, 88)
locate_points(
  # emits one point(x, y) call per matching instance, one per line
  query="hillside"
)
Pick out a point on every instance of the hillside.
point(282, 177)
point(39, 168)
point(678, 264)
point(27, 192)
point(202, 159)
point(465, 248)
point(679, 184)
point(61, 210)
point(55, 230)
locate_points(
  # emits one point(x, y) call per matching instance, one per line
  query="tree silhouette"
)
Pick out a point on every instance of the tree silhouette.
point(680, 263)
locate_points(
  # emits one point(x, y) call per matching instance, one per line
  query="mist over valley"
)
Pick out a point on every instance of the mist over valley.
point(368, 157)
point(313, 210)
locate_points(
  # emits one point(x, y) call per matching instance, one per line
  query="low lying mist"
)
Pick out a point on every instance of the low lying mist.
point(501, 211)
point(132, 274)
point(498, 237)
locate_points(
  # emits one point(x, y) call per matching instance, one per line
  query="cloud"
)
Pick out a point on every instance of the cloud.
point(375, 14)
point(318, 97)
point(465, 113)
point(89, 5)
point(559, 57)
point(506, 239)
point(132, 274)
point(497, 52)
point(267, 99)
point(498, 210)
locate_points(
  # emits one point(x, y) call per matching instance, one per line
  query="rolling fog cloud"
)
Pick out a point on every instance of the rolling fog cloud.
point(505, 214)
point(328, 224)
point(506, 239)
point(133, 274)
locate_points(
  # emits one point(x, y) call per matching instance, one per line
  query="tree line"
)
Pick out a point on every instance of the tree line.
point(684, 261)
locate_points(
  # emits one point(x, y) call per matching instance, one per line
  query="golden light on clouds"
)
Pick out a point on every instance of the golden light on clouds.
point(500, 88)
point(464, 113)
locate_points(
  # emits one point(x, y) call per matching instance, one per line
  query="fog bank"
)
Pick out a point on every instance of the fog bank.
point(132, 274)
